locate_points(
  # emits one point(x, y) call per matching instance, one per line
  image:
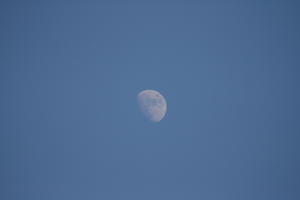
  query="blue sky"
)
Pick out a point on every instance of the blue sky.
point(70, 124)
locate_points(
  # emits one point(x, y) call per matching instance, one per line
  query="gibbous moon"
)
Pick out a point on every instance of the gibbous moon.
point(152, 104)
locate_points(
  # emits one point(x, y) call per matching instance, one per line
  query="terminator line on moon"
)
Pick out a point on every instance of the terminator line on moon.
point(152, 104)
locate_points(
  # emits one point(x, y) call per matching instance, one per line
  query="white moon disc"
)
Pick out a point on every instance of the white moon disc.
point(152, 104)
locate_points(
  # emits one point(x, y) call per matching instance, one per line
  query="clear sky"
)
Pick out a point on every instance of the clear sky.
point(70, 127)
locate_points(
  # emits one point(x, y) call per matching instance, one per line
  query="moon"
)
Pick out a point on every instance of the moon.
point(152, 104)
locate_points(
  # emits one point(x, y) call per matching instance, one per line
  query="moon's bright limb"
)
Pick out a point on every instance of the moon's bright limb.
point(152, 104)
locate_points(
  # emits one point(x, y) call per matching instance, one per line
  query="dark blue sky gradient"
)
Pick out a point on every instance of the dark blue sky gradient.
point(70, 126)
